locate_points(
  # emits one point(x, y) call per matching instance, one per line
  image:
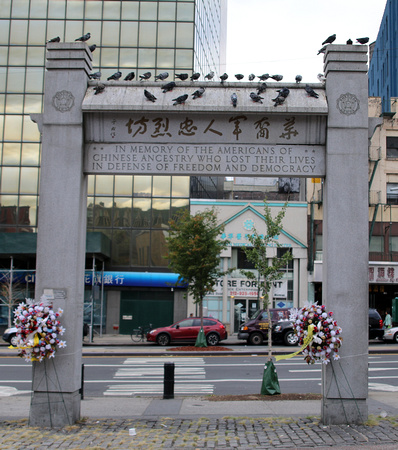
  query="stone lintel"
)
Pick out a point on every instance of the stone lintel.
point(345, 58)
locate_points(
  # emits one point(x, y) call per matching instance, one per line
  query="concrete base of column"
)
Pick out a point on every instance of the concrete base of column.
point(339, 411)
point(54, 409)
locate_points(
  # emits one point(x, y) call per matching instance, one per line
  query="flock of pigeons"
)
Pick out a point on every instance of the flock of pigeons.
point(168, 87)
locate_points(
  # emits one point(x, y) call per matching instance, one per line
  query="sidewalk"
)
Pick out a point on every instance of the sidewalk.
point(198, 422)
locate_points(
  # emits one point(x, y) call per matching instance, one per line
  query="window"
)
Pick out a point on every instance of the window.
point(392, 193)
point(243, 262)
point(392, 147)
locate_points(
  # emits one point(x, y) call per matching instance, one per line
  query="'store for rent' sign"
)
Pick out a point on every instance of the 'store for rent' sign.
point(199, 144)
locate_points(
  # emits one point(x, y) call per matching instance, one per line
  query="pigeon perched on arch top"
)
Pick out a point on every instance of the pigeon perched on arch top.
point(263, 77)
point(162, 76)
point(329, 40)
point(239, 76)
point(195, 76)
point(223, 77)
point(298, 78)
point(255, 97)
point(210, 75)
point(130, 76)
point(150, 96)
point(168, 87)
point(145, 76)
point(198, 93)
point(364, 40)
point(55, 39)
point(115, 76)
point(277, 77)
point(181, 76)
point(310, 91)
point(84, 38)
point(181, 99)
point(95, 76)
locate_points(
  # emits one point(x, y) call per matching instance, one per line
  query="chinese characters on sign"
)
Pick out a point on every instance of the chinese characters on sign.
point(383, 274)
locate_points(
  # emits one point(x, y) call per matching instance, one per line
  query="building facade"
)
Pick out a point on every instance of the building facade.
point(383, 213)
point(383, 73)
point(125, 213)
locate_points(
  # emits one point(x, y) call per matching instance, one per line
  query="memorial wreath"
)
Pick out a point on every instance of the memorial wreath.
point(318, 332)
point(38, 330)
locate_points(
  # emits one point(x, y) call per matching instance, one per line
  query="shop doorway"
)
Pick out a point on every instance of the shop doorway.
point(244, 309)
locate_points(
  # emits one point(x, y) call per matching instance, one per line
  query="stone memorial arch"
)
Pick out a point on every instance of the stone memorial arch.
point(120, 131)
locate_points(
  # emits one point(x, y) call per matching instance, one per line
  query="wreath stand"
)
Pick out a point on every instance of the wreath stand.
point(54, 400)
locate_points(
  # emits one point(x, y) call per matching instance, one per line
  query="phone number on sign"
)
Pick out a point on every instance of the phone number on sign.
point(244, 293)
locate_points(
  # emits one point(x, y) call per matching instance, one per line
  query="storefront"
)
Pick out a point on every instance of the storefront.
point(235, 297)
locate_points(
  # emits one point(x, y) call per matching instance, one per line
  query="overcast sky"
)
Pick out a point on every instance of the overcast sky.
point(284, 36)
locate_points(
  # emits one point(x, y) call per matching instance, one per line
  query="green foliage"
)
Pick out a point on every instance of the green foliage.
point(194, 250)
point(257, 254)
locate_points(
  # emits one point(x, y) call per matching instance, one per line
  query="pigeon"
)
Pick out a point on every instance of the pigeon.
point(168, 87)
point(130, 76)
point(364, 40)
point(162, 76)
point(329, 40)
point(56, 39)
point(145, 76)
point(263, 77)
point(223, 77)
point(99, 88)
point(198, 93)
point(322, 50)
point(149, 96)
point(252, 77)
point(255, 97)
point(279, 100)
point(92, 47)
point(310, 91)
point(298, 78)
point(239, 76)
point(181, 76)
point(84, 38)
point(262, 88)
point(210, 75)
point(95, 76)
point(321, 77)
point(284, 92)
point(180, 99)
point(115, 76)
point(282, 95)
point(234, 99)
point(349, 42)
point(195, 76)
point(277, 77)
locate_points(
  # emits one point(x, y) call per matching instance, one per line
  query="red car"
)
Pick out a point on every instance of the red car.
point(187, 330)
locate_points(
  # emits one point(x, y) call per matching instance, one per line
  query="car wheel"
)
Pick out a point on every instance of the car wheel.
point(256, 339)
point(291, 338)
point(212, 339)
point(163, 339)
point(396, 338)
point(14, 340)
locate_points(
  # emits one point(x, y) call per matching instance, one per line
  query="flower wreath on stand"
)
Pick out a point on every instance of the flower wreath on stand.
point(318, 332)
point(38, 330)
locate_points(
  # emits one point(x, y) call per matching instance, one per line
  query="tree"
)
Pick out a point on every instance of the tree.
point(269, 270)
point(194, 250)
point(9, 295)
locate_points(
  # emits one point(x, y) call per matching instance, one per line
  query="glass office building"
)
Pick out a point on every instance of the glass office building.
point(128, 213)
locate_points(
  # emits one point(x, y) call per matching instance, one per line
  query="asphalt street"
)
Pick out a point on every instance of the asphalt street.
point(197, 421)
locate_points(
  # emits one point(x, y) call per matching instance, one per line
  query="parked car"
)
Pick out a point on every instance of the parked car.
point(391, 334)
point(376, 327)
point(187, 330)
point(10, 336)
point(255, 331)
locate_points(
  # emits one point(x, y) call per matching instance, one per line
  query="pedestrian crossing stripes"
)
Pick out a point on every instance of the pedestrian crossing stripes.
point(144, 376)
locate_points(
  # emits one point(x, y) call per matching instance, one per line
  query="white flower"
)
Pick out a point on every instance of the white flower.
point(61, 330)
point(336, 356)
point(62, 344)
point(51, 355)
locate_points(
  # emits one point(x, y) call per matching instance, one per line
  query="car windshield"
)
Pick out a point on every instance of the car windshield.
point(256, 314)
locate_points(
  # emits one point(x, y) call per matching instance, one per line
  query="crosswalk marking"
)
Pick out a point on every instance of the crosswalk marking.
point(142, 376)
